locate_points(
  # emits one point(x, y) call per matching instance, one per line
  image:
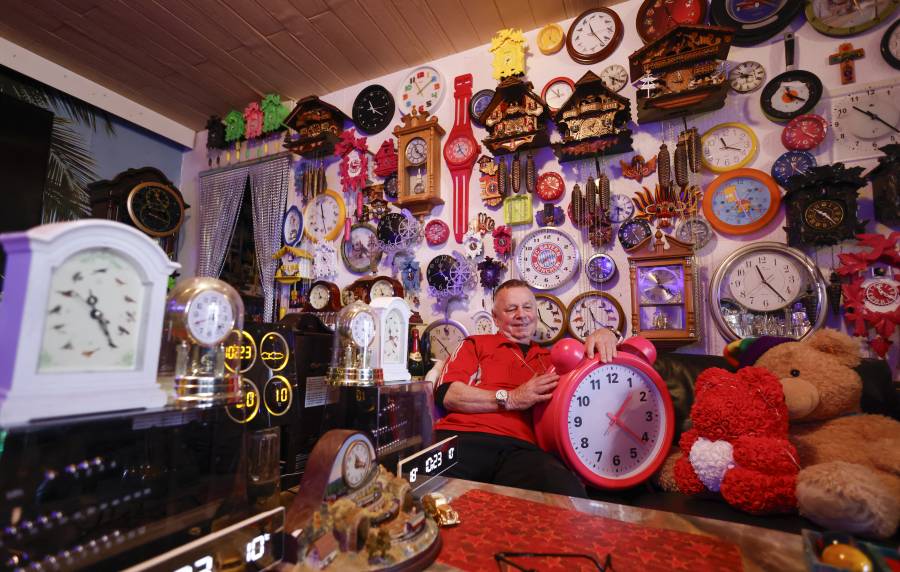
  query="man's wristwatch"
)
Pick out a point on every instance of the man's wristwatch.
point(617, 333)
point(502, 397)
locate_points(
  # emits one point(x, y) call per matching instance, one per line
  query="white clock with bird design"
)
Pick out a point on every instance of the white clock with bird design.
point(82, 316)
point(392, 335)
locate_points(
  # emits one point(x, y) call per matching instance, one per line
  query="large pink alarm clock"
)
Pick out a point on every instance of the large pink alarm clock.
point(610, 423)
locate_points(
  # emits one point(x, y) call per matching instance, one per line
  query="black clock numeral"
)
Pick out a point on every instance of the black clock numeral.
point(616, 460)
point(612, 377)
point(643, 396)
point(645, 437)
point(584, 401)
point(632, 453)
point(577, 421)
point(599, 455)
point(595, 384)
point(649, 415)
point(584, 443)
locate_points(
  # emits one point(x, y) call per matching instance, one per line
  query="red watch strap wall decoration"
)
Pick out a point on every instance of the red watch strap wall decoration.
point(460, 155)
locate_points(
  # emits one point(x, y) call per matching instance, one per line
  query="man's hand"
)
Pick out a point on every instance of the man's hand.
point(602, 342)
point(538, 388)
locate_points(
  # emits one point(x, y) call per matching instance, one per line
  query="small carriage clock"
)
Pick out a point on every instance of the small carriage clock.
point(353, 351)
point(203, 317)
point(664, 298)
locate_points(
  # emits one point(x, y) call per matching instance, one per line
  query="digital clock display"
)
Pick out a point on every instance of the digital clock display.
point(428, 463)
point(256, 543)
point(240, 346)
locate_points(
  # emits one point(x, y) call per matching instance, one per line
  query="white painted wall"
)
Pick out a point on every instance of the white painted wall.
point(813, 51)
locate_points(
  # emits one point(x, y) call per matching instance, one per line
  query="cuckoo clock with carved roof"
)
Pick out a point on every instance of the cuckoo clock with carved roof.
point(593, 121)
point(885, 179)
point(317, 127)
point(682, 72)
point(516, 118)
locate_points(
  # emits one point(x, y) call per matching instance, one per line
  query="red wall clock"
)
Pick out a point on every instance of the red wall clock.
point(611, 423)
point(550, 186)
point(436, 232)
point(804, 132)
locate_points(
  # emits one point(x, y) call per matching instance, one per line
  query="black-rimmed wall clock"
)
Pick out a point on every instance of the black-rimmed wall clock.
point(821, 205)
point(890, 45)
point(373, 109)
point(753, 22)
point(792, 92)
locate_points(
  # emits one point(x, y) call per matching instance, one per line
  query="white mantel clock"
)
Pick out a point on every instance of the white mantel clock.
point(392, 323)
point(82, 314)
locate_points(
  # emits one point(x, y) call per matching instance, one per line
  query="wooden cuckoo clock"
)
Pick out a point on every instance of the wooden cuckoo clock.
point(354, 165)
point(593, 121)
point(885, 179)
point(386, 167)
point(516, 118)
point(821, 205)
point(682, 72)
point(317, 126)
point(664, 295)
point(419, 166)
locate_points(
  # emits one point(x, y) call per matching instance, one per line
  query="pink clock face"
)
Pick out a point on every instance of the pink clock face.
point(436, 232)
point(459, 150)
point(804, 133)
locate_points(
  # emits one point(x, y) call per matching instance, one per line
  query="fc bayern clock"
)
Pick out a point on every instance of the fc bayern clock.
point(547, 258)
point(611, 423)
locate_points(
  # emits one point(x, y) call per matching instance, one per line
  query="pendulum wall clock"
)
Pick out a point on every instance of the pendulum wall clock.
point(460, 152)
point(419, 168)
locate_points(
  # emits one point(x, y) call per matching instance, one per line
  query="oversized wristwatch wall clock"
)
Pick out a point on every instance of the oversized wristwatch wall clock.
point(754, 22)
point(594, 310)
point(594, 35)
point(547, 258)
point(767, 288)
point(324, 216)
point(551, 318)
point(460, 152)
point(656, 17)
point(373, 109)
point(792, 92)
point(609, 422)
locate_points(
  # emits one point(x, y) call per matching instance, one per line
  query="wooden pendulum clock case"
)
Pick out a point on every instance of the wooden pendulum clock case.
point(419, 168)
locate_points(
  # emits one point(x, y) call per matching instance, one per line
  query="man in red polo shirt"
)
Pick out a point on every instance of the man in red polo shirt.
point(488, 387)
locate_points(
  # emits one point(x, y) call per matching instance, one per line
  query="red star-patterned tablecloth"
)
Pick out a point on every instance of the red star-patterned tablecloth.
point(494, 523)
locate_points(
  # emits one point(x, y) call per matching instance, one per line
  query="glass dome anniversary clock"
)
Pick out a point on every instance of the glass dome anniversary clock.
point(353, 352)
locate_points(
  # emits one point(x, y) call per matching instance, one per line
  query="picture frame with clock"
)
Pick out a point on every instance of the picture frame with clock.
point(593, 310)
point(594, 35)
point(392, 315)
point(741, 201)
point(834, 19)
point(324, 216)
point(728, 146)
point(552, 320)
point(863, 119)
point(82, 314)
point(821, 206)
point(483, 323)
point(373, 109)
point(441, 338)
point(547, 258)
point(359, 250)
point(664, 292)
point(292, 226)
point(767, 288)
point(422, 89)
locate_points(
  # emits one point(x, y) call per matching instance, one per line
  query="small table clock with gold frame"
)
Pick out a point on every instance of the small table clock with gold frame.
point(204, 316)
point(353, 351)
point(664, 301)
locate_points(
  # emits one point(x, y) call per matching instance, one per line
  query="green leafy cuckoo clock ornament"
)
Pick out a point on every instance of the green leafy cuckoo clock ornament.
point(821, 206)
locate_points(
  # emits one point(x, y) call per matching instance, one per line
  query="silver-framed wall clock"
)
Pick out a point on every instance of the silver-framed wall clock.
point(547, 258)
point(600, 268)
point(767, 288)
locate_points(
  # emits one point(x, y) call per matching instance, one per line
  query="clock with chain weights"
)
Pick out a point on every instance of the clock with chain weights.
point(460, 152)
point(821, 205)
point(611, 423)
point(419, 168)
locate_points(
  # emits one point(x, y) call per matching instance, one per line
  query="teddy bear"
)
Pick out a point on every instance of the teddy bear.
point(850, 462)
point(738, 443)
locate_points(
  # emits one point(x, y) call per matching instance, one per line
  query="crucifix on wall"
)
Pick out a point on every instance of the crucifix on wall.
point(846, 56)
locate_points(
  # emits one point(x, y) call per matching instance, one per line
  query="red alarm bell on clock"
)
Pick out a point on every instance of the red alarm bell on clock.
point(611, 423)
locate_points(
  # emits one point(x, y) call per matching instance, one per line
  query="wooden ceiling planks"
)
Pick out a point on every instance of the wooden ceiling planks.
point(188, 59)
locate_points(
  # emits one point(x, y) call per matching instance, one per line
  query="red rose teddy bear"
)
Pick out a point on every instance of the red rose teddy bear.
point(738, 445)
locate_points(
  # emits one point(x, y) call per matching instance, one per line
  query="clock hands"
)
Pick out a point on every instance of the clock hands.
point(826, 215)
point(614, 418)
point(372, 108)
point(97, 316)
point(792, 95)
point(766, 282)
point(725, 146)
point(875, 117)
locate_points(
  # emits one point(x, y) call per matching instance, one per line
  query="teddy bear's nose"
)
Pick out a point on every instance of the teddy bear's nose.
point(795, 372)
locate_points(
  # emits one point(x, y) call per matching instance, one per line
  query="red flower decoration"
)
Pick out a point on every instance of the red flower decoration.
point(253, 116)
point(502, 240)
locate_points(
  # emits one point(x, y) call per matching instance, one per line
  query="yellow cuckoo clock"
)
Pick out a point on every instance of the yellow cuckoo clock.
point(508, 47)
point(419, 163)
